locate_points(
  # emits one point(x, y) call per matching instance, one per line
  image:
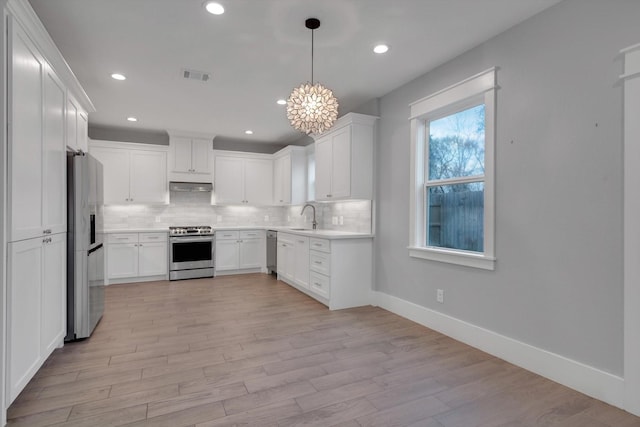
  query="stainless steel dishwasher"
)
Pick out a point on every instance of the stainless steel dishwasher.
point(272, 251)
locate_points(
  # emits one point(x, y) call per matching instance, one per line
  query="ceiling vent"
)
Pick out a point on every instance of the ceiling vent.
point(200, 76)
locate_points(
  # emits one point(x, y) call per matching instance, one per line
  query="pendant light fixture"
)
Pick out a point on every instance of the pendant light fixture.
point(312, 108)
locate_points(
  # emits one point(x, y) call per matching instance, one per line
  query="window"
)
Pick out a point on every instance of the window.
point(452, 146)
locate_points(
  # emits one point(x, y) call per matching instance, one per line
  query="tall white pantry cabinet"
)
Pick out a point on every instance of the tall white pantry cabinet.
point(45, 116)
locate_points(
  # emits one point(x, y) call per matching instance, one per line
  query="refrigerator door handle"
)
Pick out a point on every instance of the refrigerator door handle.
point(94, 249)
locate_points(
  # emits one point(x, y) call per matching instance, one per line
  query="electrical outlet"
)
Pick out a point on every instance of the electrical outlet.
point(440, 296)
point(266, 218)
point(219, 218)
point(288, 218)
point(334, 220)
point(157, 219)
point(341, 220)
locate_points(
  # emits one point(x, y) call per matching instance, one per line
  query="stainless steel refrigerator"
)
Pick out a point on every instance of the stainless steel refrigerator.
point(85, 250)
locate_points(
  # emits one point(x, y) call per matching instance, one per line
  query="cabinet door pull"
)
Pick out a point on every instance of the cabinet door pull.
point(317, 262)
point(47, 231)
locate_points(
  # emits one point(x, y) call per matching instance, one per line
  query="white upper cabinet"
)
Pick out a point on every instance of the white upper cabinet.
point(37, 159)
point(190, 158)
point(147, 176)
point(258, 181)
point(115, 173)
point(133, 173)
point(77, 126)
point(344, 159)
point(243, 178)
point(229, 179)
point(289, 176)
point(54, 157)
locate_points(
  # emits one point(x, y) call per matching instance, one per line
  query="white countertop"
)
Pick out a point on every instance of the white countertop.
point(135, 230)
point(324, 234)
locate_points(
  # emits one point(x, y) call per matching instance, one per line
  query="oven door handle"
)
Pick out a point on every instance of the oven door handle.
point(191, 239)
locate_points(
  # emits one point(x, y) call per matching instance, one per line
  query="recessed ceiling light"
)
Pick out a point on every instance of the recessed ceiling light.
point(281, 102)
point(248, 132)
point(381, 48)
point(214, 8)
point(118, 76)
point(132, 119)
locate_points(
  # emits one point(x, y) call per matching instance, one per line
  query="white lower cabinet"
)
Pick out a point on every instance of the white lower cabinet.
point(36, 316)
point(240, 251)
point(285, 257)
point(293, 265)
point(136, 256)
point(227, 251)
point(336, 272)
point(301, 261)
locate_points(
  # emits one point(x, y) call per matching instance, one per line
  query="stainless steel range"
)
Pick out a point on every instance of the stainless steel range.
point(191, 252)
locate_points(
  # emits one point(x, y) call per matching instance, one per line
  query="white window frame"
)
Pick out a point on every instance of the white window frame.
point(470, 92)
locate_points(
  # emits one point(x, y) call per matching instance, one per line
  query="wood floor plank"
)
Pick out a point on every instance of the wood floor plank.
point(185, 417)
point(250, 350)
point(286, 377)
point(124, 401)
point(331, 396)
point(185, 401)
point(405, 414)
point(19, 408)
point(41, 419)
point(349, 376)
point(267, 415)
point(157, 381)
point(266, 397)
point(111, 418)
point(330, 415)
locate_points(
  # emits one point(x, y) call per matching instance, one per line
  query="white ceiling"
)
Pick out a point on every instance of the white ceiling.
point(257, 52)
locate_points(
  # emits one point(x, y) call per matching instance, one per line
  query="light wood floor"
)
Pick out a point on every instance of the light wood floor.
point(249, 350)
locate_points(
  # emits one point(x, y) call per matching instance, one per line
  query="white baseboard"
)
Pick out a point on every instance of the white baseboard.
point(578, 376)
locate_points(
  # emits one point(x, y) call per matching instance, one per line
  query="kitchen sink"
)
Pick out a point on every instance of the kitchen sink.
point(300, 229)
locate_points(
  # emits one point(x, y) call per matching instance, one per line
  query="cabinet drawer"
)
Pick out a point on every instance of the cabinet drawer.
point(123, 238)
point(320, 284)
point(320, 262)
point(227, 235)
point(251, 234)
point(322, 245)
point(153, 237)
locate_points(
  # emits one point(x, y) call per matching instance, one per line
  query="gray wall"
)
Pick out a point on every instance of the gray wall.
point(558, 278)
point(108, 133)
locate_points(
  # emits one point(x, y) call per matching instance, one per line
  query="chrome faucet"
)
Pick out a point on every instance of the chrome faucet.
point(314, 223)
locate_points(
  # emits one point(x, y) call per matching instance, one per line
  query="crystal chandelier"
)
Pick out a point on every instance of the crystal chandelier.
point(312, 108)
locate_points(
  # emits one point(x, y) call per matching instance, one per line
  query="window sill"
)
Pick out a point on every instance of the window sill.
point(468, 259)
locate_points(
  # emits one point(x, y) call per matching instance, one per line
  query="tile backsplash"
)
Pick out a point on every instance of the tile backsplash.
point(196, 209)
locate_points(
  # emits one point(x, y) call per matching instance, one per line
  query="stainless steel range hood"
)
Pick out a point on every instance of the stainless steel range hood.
point(191, 187)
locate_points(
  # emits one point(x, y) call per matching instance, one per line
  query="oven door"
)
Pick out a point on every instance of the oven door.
point(190, 252)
